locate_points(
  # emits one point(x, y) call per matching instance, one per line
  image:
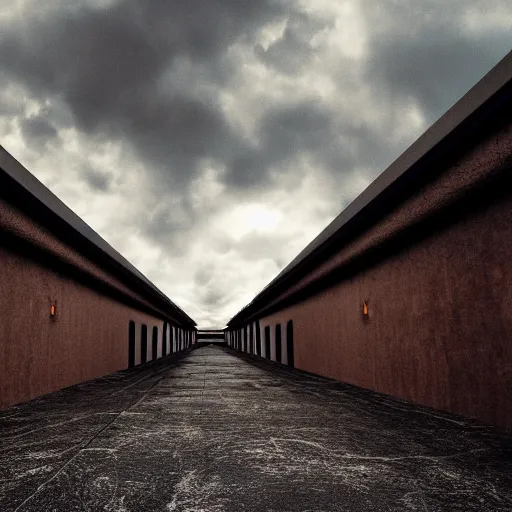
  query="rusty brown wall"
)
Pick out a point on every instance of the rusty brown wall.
point(440, 324)
point(89, 337)
point(14, 222)
point(471, 168)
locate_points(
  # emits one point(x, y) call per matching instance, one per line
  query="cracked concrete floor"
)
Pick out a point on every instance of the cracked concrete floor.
point(217, 431)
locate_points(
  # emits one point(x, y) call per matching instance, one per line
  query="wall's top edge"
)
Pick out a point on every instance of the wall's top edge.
point(34, 188)
point(476, 99)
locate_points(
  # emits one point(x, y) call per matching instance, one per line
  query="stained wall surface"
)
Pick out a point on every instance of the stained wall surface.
point(440, 322)
point(439, 328)
point(87, 339)
point(482, 161)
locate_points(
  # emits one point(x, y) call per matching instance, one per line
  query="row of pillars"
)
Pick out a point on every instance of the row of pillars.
point(138, 353)
point(248, 339)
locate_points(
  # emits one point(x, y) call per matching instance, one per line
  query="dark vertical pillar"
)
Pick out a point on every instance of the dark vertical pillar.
point(289, 344)
point(258, 339)
point(131, 344)
point(267, 342)
point(143, 343)
point(278, 343)
point(164, 340)
point(251, 338)
point(154, 343)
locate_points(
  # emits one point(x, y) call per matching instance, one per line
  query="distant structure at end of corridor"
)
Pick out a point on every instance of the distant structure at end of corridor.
point(72, 308)
point(409, 290)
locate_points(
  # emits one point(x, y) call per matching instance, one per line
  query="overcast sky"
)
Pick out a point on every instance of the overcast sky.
point(209, 141)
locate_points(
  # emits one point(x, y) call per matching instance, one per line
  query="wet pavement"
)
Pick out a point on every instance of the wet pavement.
point(216, 431)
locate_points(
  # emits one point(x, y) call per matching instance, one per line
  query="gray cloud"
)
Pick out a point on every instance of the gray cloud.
point(431, 59)
point(36, 130)
point(98, 181)
point(109, 68)
point(293, 51)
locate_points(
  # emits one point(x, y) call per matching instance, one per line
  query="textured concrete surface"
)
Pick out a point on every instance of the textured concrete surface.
point(87, 339)
point(215, 431)
point(439, 326)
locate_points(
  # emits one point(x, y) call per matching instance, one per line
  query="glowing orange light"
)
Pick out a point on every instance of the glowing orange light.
point(365, 309)
point(53, 310)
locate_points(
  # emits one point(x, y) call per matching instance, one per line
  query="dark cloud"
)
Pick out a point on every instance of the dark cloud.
point(113, 68)
point(332, 143)
point(97, 180)
point(430, 59)
point(288, 131)
point(36, 130)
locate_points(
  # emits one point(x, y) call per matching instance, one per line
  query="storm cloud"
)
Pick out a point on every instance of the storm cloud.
point(210, 141)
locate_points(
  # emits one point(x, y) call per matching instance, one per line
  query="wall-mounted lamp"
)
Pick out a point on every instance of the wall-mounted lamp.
point(366, 313)
point(53, 310)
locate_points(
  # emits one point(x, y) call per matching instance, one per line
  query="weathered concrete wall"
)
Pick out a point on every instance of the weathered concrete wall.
point(87, 339)
point(16, 224)
point(90, 334)
point(440, 322)
point(473, 167)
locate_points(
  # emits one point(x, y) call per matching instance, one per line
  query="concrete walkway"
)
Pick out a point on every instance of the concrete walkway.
point(215, 431)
